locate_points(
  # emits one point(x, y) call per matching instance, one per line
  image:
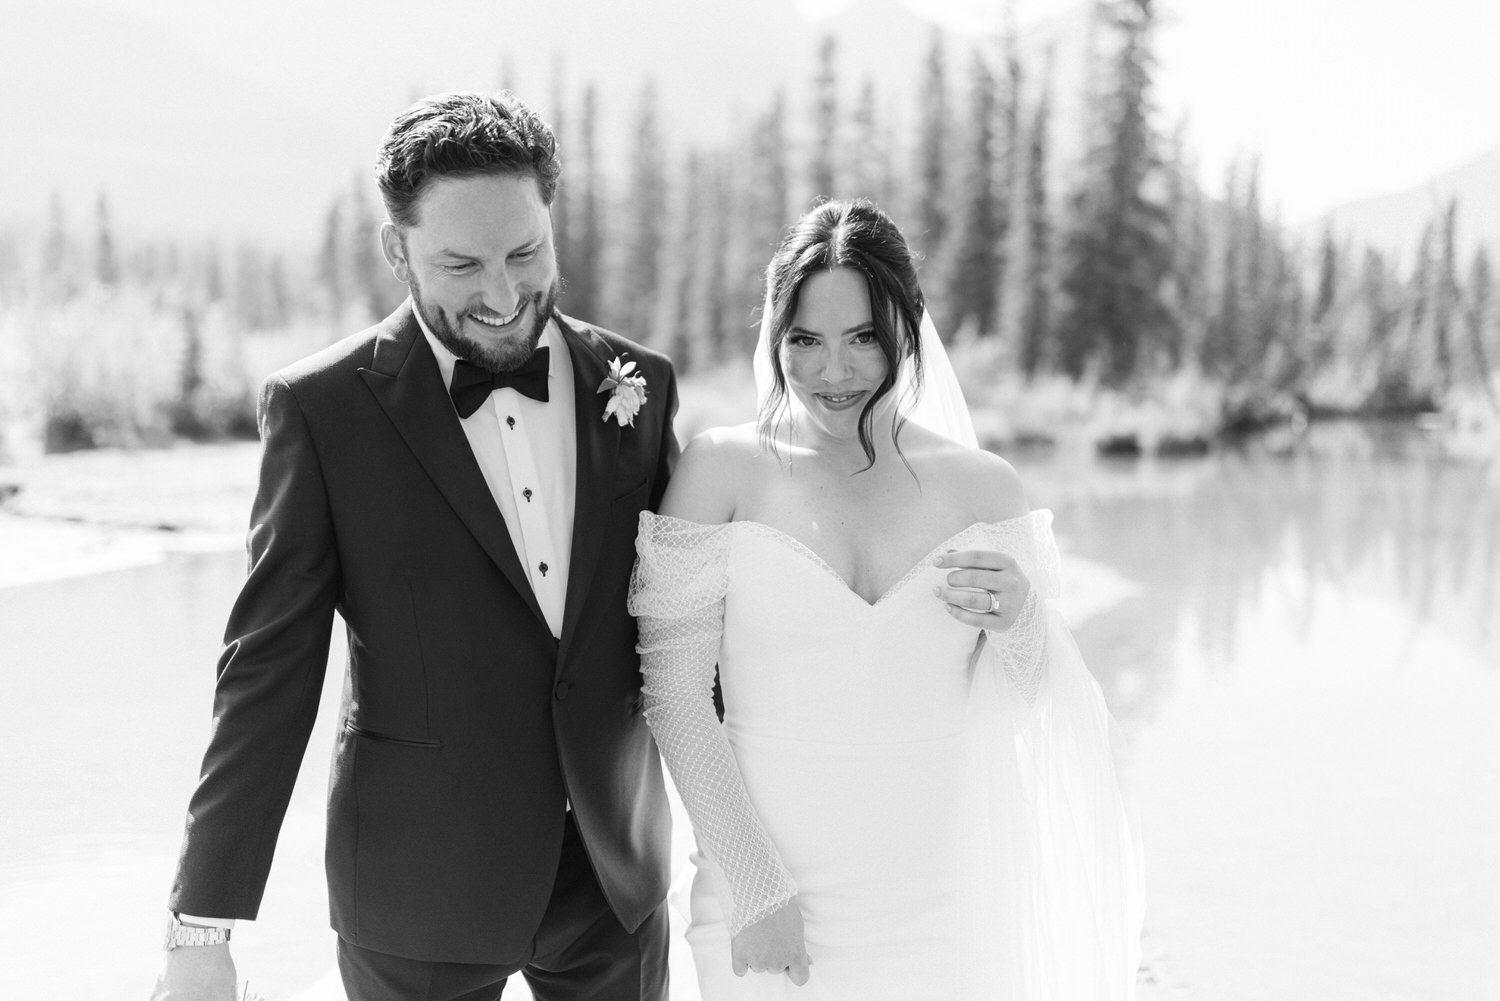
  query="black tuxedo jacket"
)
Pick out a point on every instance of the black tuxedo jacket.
point(466, 727)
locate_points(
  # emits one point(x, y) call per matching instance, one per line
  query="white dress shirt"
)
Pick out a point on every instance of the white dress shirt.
point(528, 453)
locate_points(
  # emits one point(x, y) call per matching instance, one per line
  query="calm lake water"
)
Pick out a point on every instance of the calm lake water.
point(1302, 640)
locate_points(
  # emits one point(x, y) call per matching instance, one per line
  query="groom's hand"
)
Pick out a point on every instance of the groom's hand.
point(774, 944)
point(195, 973)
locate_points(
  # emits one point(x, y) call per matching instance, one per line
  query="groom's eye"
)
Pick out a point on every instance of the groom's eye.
point(459, 269)
point(524, 255)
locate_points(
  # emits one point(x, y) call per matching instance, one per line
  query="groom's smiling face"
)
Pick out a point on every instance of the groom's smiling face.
point(480, 266)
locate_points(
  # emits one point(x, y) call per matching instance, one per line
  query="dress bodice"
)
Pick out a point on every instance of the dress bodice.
point(804, 657)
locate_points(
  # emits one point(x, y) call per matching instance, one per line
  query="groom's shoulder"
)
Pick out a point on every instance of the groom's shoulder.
point(621, 345)
point(333, 363)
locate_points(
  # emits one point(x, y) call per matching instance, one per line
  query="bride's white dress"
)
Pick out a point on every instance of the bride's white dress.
point(951, 824)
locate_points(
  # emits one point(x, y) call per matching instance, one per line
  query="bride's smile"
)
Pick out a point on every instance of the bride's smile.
point(833, 362)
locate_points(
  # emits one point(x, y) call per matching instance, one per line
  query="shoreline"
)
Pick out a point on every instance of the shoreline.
point(79, 513)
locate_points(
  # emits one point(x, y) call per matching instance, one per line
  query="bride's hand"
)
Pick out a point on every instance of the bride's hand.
point(774, 944)
point(986, 589)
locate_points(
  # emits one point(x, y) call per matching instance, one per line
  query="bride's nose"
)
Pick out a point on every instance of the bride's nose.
point(838, 364)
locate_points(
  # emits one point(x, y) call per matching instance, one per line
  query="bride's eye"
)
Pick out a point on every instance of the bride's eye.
point(801, 340)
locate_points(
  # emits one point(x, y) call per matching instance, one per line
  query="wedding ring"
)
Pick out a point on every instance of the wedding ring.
point(994, 603)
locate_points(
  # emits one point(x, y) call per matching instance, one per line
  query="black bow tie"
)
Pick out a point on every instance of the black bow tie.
point(472, 384)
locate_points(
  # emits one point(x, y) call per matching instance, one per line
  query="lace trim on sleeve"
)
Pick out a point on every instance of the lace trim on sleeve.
point(677, 595)
point(1021, 650)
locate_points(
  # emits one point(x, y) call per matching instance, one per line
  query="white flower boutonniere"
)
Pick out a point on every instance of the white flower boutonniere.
point(628, 392)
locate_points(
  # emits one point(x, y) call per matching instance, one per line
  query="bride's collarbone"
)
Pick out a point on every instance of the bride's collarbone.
point(867, 547)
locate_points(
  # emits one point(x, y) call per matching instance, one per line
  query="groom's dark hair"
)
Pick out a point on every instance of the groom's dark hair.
point(462, 134)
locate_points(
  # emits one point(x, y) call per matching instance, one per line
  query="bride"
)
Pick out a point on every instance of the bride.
point(911, 793)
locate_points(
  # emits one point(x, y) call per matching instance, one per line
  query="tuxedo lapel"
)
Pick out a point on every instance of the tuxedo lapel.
point(405, 379)
point(598, 444)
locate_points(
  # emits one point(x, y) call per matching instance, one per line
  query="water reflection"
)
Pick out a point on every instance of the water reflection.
point(1372, 509)
point(1308, 671)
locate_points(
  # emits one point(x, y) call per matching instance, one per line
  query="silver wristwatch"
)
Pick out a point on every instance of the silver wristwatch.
point(179, 934)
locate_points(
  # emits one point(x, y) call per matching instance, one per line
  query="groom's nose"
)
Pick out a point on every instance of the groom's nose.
point(502, 291)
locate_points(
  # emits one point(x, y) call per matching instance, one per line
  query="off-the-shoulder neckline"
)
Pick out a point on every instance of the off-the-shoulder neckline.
point(1032, 515)
point(792, 543)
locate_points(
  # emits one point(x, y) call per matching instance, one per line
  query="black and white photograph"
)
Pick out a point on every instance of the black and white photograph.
point(763, 500)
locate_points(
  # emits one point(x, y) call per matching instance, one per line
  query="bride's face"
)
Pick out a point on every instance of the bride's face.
point(832, 361)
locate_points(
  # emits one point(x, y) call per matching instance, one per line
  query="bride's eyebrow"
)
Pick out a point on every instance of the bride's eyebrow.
point(858, 328)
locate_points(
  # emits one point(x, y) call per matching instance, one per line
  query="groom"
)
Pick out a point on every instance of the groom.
point(461, 483)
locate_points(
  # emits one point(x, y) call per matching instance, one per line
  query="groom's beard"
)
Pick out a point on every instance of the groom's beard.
point(503, 357)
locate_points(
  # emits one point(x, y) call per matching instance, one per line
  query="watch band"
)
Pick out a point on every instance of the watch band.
point(179, 934)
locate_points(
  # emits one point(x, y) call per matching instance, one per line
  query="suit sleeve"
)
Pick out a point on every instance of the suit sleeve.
point(270, 674)
point(667, 456)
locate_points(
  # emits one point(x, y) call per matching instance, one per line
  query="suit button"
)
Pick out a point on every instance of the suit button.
point(562, 690)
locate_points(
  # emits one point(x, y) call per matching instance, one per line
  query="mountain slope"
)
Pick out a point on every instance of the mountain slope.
point(1393, 223)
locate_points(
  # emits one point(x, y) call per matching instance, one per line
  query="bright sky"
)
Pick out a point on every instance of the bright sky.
point(1343, 99)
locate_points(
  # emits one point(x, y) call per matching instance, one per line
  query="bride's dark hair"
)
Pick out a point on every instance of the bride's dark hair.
point(847, 234)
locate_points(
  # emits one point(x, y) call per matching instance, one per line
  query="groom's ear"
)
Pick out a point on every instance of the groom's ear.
point(395, 252)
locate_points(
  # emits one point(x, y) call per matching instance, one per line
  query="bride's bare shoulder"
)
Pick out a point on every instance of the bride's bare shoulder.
point(712, 475)
point(987, 485)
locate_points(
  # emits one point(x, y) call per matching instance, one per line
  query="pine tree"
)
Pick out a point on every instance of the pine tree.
point(1259, 285)
point(972, 291)
point(248, 295)
point(712, 317)
point(695, 291)
point(869, 165)
point(767, 199)
point(682, 282)
point(212, 272)
point(647, 207)
point(1446, 303)
point(370, 284)
point(1187, 291)
point(1377, 353)
point(280, 301)
point(930, 215)
point(331, 259)
point(106, 263)
point(1476, 310)
point(55, 247)
point(1325, 298)
point(1409, 370)
point(1008, 153)
point(1036, 318)
point(563, 207)
point(1225, 335)
point(1117, 250)
point(58, 278)
point(822, 171)
point(586, 230)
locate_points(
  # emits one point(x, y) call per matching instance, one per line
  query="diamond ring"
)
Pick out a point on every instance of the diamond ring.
point(994, 603)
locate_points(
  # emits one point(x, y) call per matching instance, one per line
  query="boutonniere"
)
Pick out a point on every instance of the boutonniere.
point(627, 392)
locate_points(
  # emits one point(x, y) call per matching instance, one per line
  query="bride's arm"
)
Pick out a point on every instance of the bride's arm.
point(677, 596)
point(1000, 588)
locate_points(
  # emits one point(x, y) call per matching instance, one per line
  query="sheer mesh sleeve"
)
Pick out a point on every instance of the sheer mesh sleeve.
point(677, 595)
point(1021, 650)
